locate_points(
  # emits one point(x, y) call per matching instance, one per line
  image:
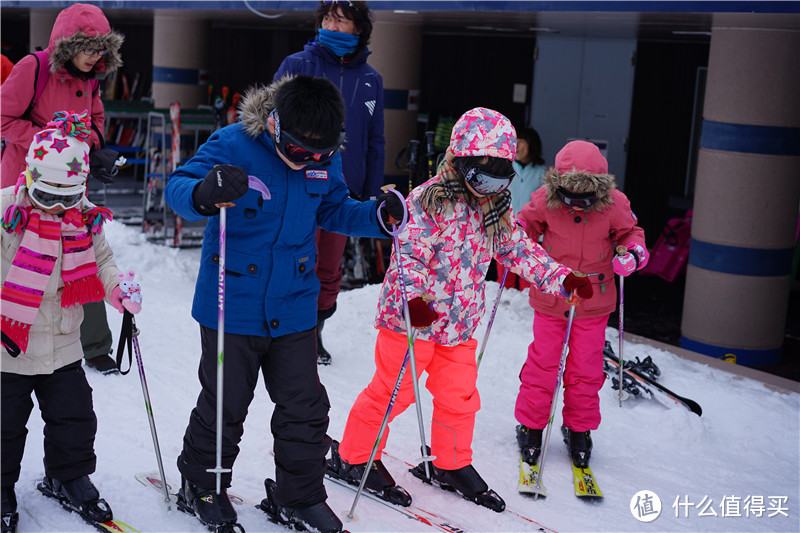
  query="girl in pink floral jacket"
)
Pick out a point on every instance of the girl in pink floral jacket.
point(458, 221)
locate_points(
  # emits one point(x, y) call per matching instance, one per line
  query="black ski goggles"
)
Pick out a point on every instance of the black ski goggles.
point(584, 200)
point(299, 152)
point(484, 183)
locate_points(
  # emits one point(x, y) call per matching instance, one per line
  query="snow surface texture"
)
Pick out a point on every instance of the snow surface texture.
point(745, 448)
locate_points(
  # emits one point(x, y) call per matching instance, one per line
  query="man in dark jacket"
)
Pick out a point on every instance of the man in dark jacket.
point(339, 52)
point(287, 142)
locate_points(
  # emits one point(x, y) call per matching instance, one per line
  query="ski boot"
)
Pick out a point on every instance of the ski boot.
point(9, 517)
point(78, 495)
point(323, 355)
point(318, 517)
point(530, 443)
point(379, 481)
point(579, 444)
point(465, 481)
point(214, 510)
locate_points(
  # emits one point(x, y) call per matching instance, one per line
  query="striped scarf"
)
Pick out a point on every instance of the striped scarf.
point(443, 195)
point(34, 262)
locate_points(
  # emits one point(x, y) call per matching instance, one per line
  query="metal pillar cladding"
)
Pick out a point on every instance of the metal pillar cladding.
point(396, 48)
point(179, 56)
point(748, 191)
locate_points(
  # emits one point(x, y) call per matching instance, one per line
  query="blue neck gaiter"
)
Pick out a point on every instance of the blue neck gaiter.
point(338, 42)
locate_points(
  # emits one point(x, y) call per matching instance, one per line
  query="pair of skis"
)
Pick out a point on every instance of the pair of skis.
point(643, 383)
point(425, 516)
point(583, 480)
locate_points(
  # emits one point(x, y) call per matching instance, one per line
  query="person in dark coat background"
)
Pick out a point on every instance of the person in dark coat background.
point(339, 52)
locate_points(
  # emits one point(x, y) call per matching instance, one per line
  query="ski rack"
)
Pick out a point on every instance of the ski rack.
point(159, 222)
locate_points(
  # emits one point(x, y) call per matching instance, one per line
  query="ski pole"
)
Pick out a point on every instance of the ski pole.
point(382, 430)
point(491, 320)
point(573, 301)
point(413, 146)
point(395, 231)
point(223, 214)
point(148, 406)
point(621, 250)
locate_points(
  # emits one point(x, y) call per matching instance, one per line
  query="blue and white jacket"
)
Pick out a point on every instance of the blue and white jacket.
point(362, 89)
point(271, 286)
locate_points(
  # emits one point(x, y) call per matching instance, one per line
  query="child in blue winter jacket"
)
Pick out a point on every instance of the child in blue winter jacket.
point(288, 138)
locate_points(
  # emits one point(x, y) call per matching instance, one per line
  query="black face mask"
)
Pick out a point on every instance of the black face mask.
point(584, 200)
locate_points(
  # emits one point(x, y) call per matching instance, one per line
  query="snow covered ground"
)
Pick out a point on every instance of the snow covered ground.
point(736, 468)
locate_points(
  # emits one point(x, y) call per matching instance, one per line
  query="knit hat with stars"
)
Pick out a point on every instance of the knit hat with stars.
point(60, 153)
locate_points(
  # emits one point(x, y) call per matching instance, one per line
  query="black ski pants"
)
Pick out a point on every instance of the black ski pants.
point(299, 421)
point(70, 425)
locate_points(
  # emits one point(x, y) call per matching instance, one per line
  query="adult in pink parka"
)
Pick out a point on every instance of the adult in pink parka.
point(582, 217)
point(78, 28)
point(455, 227)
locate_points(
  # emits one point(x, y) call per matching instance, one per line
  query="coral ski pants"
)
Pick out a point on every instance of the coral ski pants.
point(583, 372)
point(452, 374)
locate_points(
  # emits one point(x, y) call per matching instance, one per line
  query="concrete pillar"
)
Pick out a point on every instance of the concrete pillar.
point(179, 58)
point(747, 192)
point(396, 48)
point(41, 25)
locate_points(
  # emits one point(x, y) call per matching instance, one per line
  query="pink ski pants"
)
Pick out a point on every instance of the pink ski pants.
point(452, 374)
point(583, 373)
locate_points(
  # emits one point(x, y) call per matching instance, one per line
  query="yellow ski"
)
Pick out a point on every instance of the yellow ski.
point(528, 476)
point(585, 484)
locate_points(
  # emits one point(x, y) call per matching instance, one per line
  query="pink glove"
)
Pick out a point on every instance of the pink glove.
point(635, 259)
point(127, 295)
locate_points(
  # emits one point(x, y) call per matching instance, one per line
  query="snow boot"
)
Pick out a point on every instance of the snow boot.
point(579, 444)
point(103, 364)
point(466, 481)
point(530, 443)
point(78, 495)
point(214, 510)
point(10, 517)
point(318, 517)
point(379, 481)
point(323, 356)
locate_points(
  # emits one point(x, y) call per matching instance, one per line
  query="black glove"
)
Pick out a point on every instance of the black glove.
point(101, 164)
point(421, 313)
point(224, 183)
point(392, 212)
point(581, 284)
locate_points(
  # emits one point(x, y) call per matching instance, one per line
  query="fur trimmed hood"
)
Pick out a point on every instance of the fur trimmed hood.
point(601, 184)
point(256, 104)
point(82, 26)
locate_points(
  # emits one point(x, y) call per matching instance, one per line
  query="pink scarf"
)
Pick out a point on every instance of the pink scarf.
point(35, 260)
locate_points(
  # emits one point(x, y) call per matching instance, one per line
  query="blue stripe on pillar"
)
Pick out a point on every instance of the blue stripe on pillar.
point(395, 99)
point(743, 356)
point(184, 76)
point(767, 140)
point(739, 260)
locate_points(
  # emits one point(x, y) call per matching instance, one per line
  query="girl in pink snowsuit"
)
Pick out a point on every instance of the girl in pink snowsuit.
point(582, 217)
point(458, 220)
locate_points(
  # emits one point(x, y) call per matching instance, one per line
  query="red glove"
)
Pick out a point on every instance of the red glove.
point(421, 313)
point(580, 284)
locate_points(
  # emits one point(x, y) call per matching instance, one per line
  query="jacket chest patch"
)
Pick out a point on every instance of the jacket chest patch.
point(316, 174)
